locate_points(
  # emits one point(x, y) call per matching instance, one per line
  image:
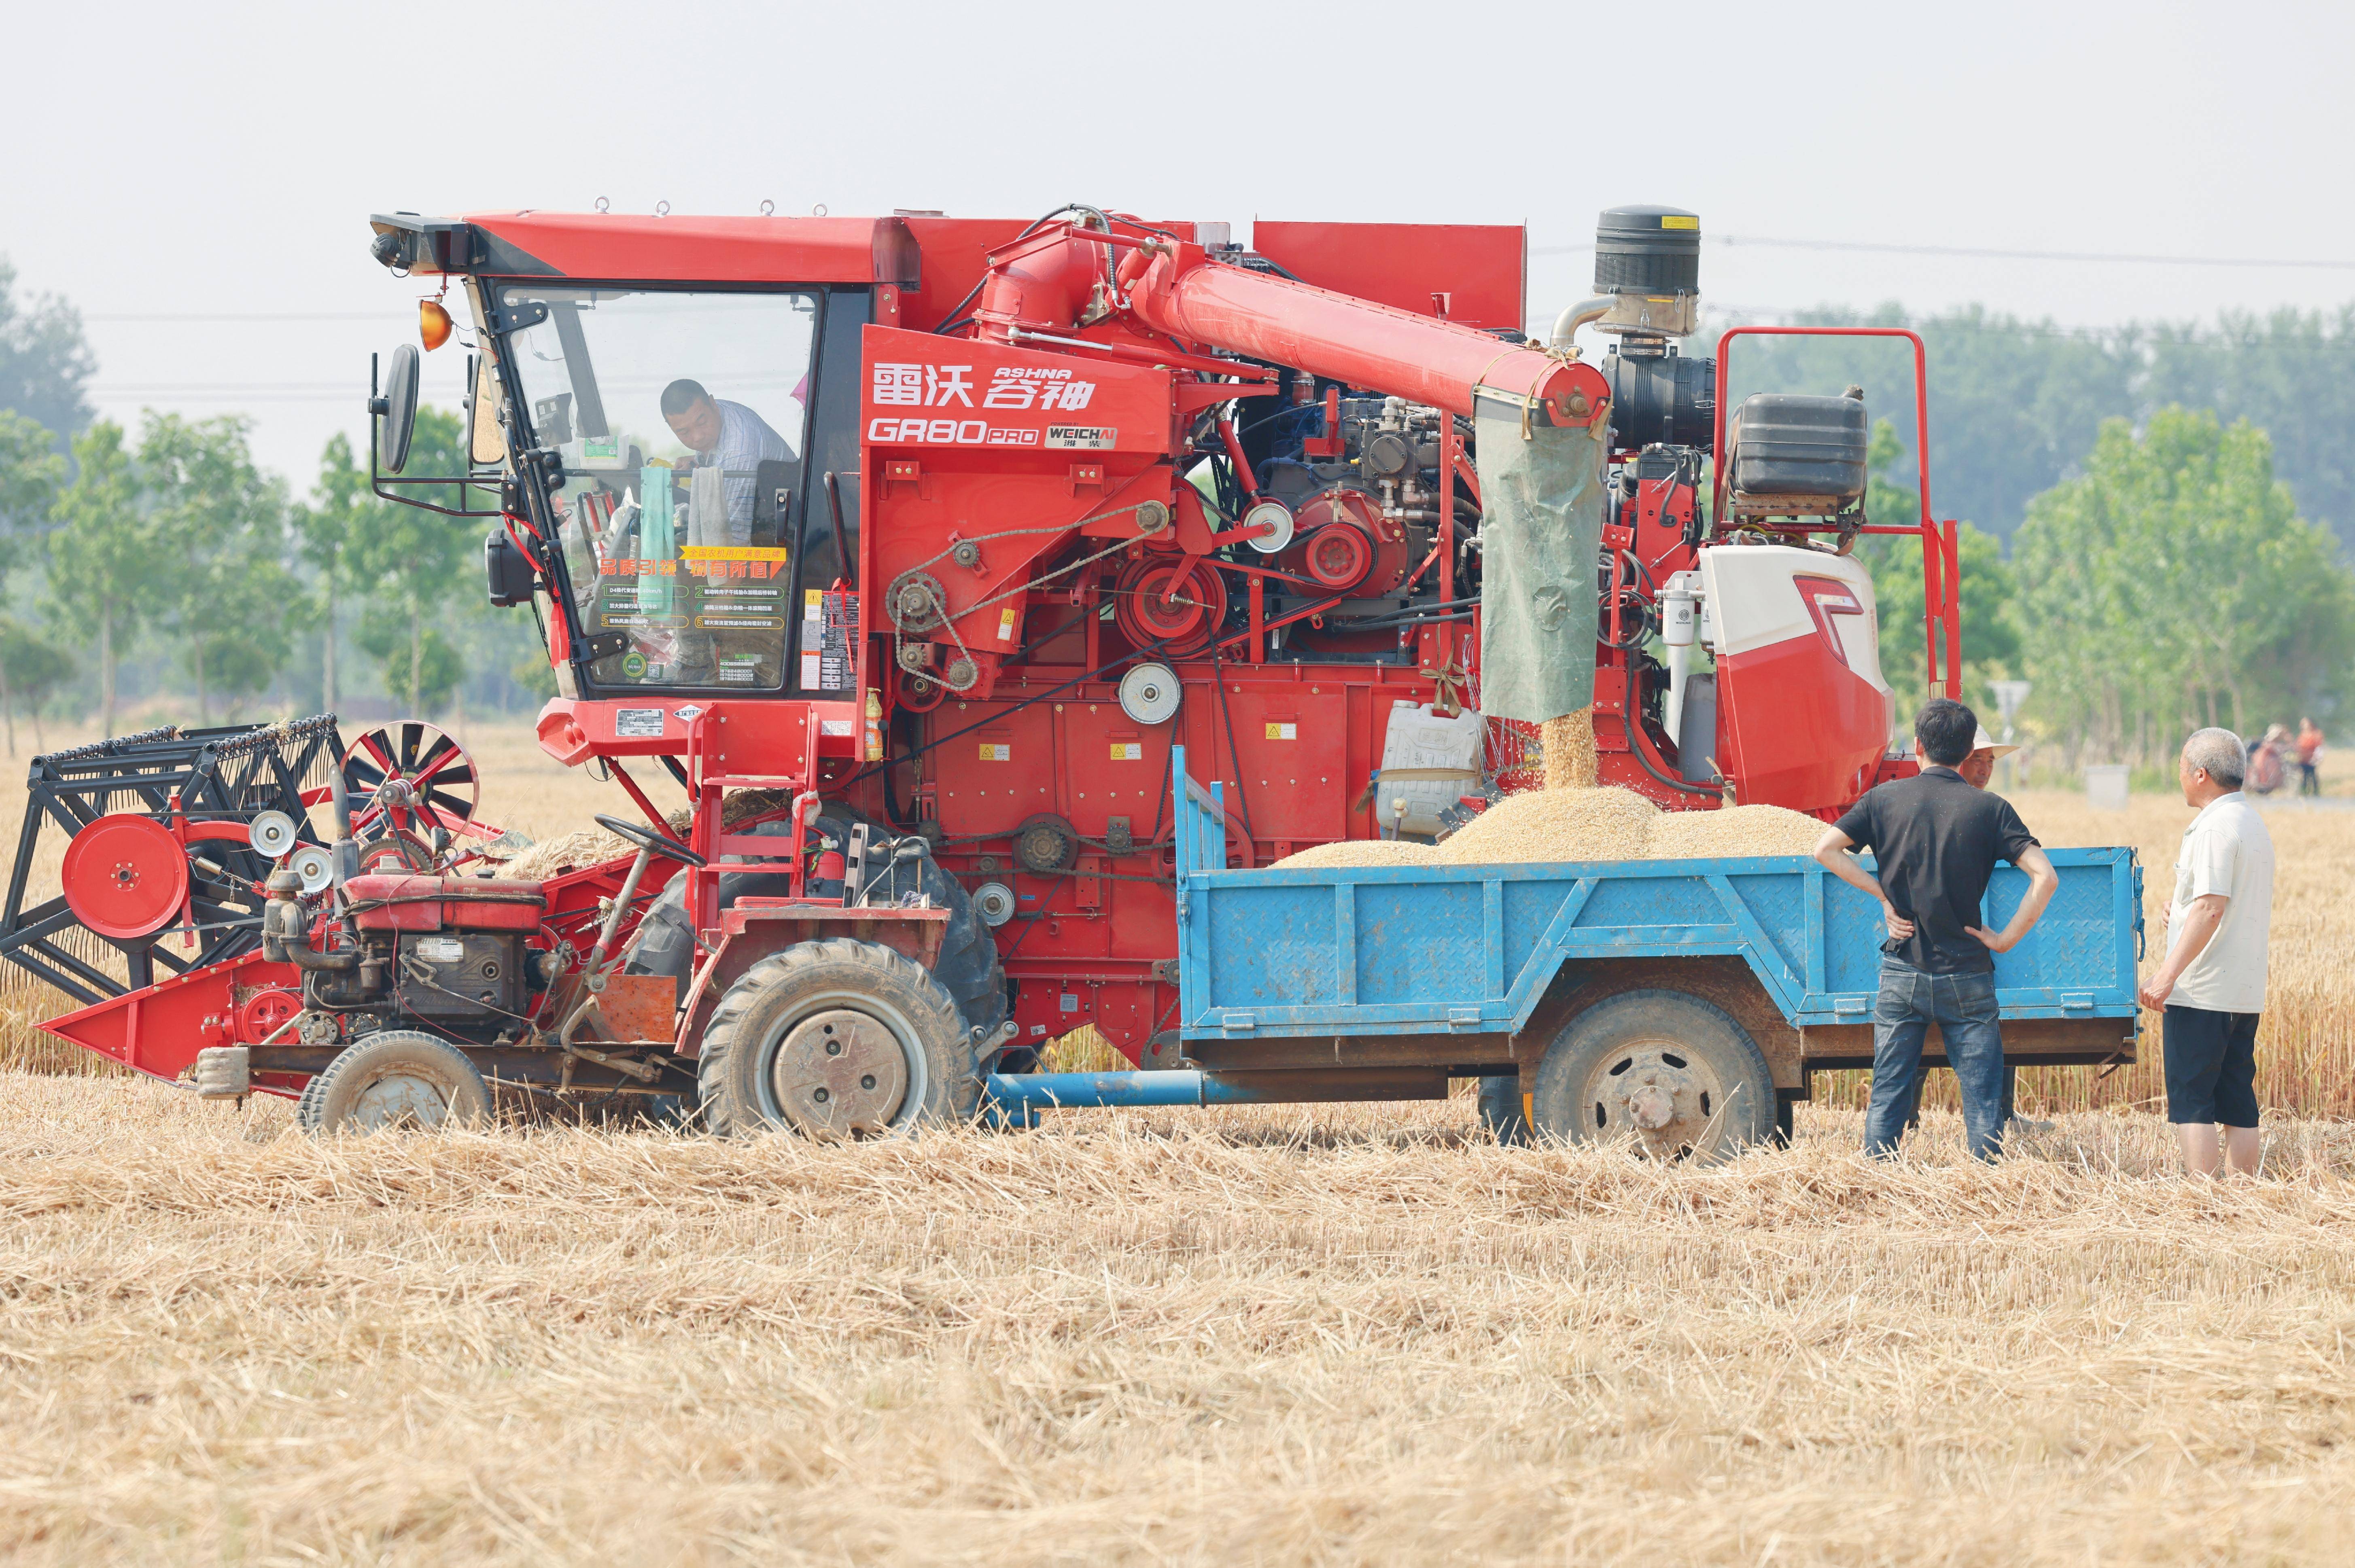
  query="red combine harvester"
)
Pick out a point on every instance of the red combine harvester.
point(907, 549)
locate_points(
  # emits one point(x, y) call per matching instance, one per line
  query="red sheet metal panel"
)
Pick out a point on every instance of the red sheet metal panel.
point(699, 250)
point(1478, 270)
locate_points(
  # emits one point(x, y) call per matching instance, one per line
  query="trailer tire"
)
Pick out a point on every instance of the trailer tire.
point(1674, 1073)
point(1501, 1110)
point(395, 1077)
point(882, 999)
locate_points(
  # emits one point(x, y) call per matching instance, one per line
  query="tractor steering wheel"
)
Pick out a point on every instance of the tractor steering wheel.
point(645, 838)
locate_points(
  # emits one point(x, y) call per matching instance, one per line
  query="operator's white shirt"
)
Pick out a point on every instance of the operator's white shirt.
point(2226, 850)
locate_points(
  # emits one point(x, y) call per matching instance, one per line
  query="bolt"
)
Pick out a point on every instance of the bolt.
point(867, 1082)
point(821, 1096)
point(834, 1047)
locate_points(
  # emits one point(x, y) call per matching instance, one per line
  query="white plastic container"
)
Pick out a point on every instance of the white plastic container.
point(1429, 761)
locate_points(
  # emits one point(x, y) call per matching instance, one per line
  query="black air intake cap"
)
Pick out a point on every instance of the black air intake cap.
point(1647, 251)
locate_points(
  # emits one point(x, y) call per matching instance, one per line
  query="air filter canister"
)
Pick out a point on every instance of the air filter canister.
point(1647, 251)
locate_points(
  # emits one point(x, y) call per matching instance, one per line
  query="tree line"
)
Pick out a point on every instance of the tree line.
point(167, 547)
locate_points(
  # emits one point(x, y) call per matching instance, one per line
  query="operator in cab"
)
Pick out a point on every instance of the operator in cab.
point(725, 436)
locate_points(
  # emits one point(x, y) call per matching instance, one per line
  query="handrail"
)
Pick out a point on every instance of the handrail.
point(1941, 560)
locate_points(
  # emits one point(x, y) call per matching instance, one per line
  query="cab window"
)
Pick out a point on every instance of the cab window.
point(680, 419)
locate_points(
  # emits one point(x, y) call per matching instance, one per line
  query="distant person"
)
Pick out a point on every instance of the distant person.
point(2309, 757)
point(2210, 987)
point(2263, 775)
point(726, 436)
point(1936, 839)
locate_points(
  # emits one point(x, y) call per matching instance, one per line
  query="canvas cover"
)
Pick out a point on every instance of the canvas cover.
point(1541, 528)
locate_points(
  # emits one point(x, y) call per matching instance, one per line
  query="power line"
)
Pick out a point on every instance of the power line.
point(248, 317)
point(1990, 253)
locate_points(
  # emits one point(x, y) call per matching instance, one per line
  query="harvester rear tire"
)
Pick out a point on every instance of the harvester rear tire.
point(1673, 1072)
point(769, 1000)
point(396, 1077)
point(1500, 1108)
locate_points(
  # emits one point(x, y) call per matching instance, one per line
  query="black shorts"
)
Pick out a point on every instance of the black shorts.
point(2212, 1067)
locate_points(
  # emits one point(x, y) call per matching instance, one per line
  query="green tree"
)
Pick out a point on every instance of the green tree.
point(219, 524)
point(332, 531)
point(2174, 585)
point(101, 557)
point(31, 667)
point(1990, 643)
point(45, 363)
point(412, 559)
point(31, 473)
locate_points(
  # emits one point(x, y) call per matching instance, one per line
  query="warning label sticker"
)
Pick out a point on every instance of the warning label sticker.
point(1283, 732)
point(997, 751)
point(1127, 751)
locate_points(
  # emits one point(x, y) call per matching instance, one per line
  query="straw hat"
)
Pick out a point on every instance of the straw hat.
point(1986, 742)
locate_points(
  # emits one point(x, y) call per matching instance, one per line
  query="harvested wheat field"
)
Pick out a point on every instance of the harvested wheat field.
point(1333, 1334)
point(1336, 1334)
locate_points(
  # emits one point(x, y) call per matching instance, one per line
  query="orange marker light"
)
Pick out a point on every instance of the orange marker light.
point(434, 324)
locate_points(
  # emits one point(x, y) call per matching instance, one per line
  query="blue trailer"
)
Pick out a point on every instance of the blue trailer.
point(1686, 1003)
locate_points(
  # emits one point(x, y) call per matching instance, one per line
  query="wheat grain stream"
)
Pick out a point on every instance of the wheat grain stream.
point(1335, 1334)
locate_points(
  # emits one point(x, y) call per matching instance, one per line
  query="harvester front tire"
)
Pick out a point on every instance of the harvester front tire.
point(1672, 1073)
point(747, 1063)
point(396, 1077)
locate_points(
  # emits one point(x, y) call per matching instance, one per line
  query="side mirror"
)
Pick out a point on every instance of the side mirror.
point(395, 404)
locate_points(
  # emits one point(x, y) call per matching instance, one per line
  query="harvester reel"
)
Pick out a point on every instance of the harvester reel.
point(409, 777)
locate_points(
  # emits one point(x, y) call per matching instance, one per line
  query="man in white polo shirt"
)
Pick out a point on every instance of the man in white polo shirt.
point(2212, 984)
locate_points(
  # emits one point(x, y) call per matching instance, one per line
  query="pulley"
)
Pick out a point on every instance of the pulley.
point(272, 834)
point(1149, 693)
point(1161, 601)
point(314, 866)
point(994, 902)
point(1273, 518)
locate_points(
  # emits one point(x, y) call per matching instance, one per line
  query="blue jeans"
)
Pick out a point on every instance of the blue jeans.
point(1963, 1007)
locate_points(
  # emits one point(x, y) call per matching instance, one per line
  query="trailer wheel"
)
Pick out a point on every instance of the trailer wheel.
point(1500, 1108)
point(836, 1038)
point(1677, 1074)
point(398, 1077)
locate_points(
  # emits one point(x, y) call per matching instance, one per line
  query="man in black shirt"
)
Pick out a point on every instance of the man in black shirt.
point(1936, 839)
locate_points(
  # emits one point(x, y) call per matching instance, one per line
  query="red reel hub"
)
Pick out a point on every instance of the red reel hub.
point(125, 877)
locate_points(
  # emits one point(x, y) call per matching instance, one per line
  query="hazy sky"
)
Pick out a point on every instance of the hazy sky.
point(221, 162)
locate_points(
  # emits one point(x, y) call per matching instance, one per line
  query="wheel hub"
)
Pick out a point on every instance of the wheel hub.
point(1659, 1091)
point(400, 1099)
point(841, 1073)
